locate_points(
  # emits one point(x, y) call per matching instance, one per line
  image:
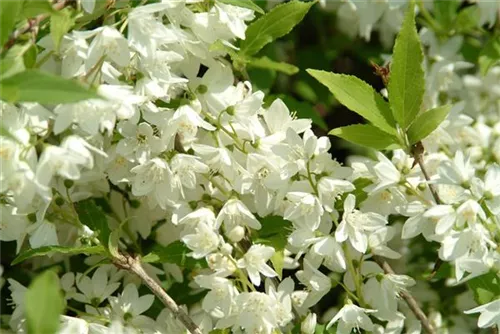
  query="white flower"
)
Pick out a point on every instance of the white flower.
point(129, 306)
point(458, 172)
point(184, 171)
point(304, 210)
point(203, 242)
point(355, 225)
point(332, 251)
point(12, 226)
point(139, 143)
point(43, 233)
point(220, 299)
point(490, 314)
point(254, 261)
point(350, 317)
point(317, 283)
point(387, 174)
point(95, 290)
point(109, 43)
point(235, 213)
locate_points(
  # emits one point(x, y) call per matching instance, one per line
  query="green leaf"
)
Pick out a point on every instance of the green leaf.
point(43, 304)
point(244, 3)
point(275, 24)
point(490, 55)
point(9, 12)
point(177, 253)
point(467, 19)
point(274, 232)
point(427, 122)
point(365, 135)
point(60, 24)
point(278, 260)
point(13, 62)
point(37, 86)
point(406, 81)
point(270, 64)
point(29, 56)
point(359, 97)
point(304, 110)
point(445, 12)
point(485, 287)
point(32, 8)
point(92, 216)
point(48, 250)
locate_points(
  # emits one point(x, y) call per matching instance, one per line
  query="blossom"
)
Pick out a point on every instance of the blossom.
point(355, 225)
point(490, 314)
point(254, 262)
point(352, 316)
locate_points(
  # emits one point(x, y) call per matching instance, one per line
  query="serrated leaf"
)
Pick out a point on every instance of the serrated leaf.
point(427, 122)
point(92, 216)
point(47, 250)
point(490, 55)
point(485, 287)
point(244, 4)
point(406, 81)
point(37, 86)
point(366, 135)
point(32, 8)
point(270, 64)
point(43, 304)
point(177, 253)
point(359, 97)
point(9, 13)
point(273, 25)
point(60, 24)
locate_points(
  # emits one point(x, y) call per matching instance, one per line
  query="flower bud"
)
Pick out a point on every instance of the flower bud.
point(236, 234)
point(308, 325)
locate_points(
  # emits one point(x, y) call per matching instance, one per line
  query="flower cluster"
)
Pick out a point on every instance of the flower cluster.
point(181, 152)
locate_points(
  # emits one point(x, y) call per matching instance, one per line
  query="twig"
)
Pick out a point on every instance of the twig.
point(408, 298)
point(418, 153)
point(133, 264)
point(31, 25)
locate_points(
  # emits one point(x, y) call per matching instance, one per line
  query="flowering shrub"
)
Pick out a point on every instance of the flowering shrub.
point(148, 186)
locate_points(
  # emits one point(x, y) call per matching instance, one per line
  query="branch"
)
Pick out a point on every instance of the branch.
point(31, 25)
point(133, 264)
point(408, 298)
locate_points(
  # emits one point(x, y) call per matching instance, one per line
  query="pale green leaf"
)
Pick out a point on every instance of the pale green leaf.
point(406, 81)
point(92, 216)
point(485, 287)
point(48, 250)
point(13, 61)
point(365, 135)
point(43, 304)
point(427, 122)
point(275, 24)
point(177, 253)
point(60, 24)
point(9, 13)
point(278, 261)
point(359, 97)
point(490, 55)
point(37, 86)
point(270, 64)
point(243, 3)
point(32, 8)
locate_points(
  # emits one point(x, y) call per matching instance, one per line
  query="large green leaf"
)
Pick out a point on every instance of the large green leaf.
point(490, 55)
point(60, 24)
point(366, 135)
point(46, 250)
point(406, 81)
point(267, 63)
point(92, 216)
point(32, 8)
point(9, 12)
point(427, 122)
point(275, 24)
point(177, 253)
point(37, 86)
point(359, 97)
point(485, 287)
point(243, 3)
point(13, 61)
point(43, 304)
